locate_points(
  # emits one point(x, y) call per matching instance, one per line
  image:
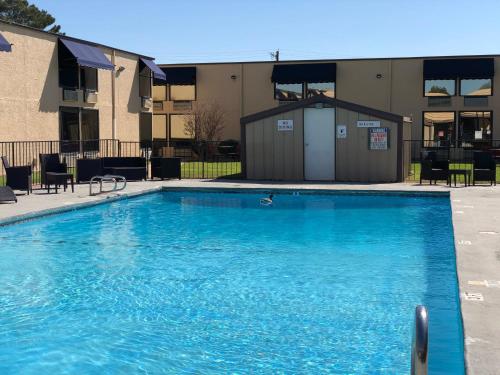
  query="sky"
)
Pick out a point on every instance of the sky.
point(188, 31)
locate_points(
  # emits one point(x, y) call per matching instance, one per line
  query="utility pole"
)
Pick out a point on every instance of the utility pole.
point(275, 55)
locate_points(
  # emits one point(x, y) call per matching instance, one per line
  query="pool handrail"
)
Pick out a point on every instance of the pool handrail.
point(420, 342)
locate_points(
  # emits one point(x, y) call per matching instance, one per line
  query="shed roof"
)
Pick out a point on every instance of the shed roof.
point(325, 100)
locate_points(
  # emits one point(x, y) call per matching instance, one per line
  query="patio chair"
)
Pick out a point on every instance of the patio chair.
point(484, 168)
point(18, 178)
point(51, 163)
point(7, 195)
point(433, 169)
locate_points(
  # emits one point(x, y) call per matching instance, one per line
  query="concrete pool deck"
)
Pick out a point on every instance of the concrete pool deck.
point(476, 222)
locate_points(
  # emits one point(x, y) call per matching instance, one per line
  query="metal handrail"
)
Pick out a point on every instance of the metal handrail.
point(420, 342)
point(107, 178)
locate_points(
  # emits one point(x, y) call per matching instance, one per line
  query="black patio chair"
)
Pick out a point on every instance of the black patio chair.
point(18, 178)
point(484, 168)
point(7, 195)
point(51, 163)
point(433, 169)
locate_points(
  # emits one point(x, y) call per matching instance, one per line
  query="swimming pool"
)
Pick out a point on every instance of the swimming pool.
point(213, 282)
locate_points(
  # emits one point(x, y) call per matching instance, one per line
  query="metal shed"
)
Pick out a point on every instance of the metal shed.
point(325, 139)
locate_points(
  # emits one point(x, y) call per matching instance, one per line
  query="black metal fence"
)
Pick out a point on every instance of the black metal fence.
point(459, 154)
point(200, 160)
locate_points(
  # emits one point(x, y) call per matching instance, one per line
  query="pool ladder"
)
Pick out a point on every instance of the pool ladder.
point(107, 178)
point(420, 342)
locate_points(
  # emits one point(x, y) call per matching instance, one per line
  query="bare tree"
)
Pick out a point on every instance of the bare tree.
point(205, 122)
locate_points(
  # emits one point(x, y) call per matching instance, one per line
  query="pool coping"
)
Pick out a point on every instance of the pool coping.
point(75, 206)
point(478, 319)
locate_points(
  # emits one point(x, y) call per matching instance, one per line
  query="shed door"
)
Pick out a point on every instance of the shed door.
point(319, 144)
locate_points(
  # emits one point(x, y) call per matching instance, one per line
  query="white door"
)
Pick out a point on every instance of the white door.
point(319, 144)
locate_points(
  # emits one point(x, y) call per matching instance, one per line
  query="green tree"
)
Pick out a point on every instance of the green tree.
point(24, 13)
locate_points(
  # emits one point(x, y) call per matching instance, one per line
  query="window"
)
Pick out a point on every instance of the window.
point(88, 78)
point(182, 92)
point(72, 75)
point(70, 128)
point(438, 129)
point(159, 93)
point(325, 88)
point(90, 129)
point(439, 87)
point(158, 106)
point(72, 131)
point(474, 127)
point(178, 127)
point(145, 80)
point(145, 129)
point(475, 87)
point(288, 91)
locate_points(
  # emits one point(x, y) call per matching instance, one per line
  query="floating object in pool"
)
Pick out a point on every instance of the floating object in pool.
point(267, 201)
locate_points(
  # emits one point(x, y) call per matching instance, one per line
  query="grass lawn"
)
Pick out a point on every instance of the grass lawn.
point(188, 170)
point(198, 169)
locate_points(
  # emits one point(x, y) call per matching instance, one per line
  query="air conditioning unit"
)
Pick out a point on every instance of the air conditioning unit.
point(70, 95)
point(91, 97)
point(147, 103)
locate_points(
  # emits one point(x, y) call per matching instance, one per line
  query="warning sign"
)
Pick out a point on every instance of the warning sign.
point(378, 138)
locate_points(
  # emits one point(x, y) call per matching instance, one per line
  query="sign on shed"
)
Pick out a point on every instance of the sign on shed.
point(378, 138)
point(368, 124)
point(285, 125)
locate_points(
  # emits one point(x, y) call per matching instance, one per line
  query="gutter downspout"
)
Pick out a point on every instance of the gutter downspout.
point(113, 98)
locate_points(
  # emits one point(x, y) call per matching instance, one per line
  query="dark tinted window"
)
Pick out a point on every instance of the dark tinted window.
point(439, 87)
point(68, 68)
point(70, 130)
point(324, 88)
point(288, 91)
point(474, 127)
point(475, 87)
point(90, 129)
point(145, 129)
point(438, 128)
point(88, 78)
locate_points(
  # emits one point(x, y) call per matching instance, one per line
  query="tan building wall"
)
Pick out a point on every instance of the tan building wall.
point(30, 95)
point(392, 85)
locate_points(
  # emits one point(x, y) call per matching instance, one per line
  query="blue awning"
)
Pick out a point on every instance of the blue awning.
point(157, 72)
point(87, 55)
point(4, 45)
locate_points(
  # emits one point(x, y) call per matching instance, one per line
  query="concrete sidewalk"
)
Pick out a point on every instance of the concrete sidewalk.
point(476, 222)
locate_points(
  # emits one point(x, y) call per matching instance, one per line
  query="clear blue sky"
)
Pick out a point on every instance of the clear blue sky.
point(237, 30)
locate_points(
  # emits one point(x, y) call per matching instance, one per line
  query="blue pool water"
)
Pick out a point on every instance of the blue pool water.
point(215, 283)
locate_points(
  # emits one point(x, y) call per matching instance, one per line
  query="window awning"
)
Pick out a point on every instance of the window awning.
point(298, 73)
point(185, 75)
point(87, 55)
point(459, 68)
point(4, 45)
point(157, 72)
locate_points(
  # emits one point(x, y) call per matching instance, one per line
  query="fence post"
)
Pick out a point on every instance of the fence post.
point(13, 146)
point(203, 158)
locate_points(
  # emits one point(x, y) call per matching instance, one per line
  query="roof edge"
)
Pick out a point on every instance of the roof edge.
point(73, 38)
point(325, 100)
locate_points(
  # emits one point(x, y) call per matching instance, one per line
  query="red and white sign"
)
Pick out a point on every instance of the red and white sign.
point(379, 138)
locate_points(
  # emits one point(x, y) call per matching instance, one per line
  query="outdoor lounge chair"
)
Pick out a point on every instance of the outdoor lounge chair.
point(484, 168)
point(50, 163)
point(7, 195)
point(433, 169)
point(165, 168)
point(18, 178)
